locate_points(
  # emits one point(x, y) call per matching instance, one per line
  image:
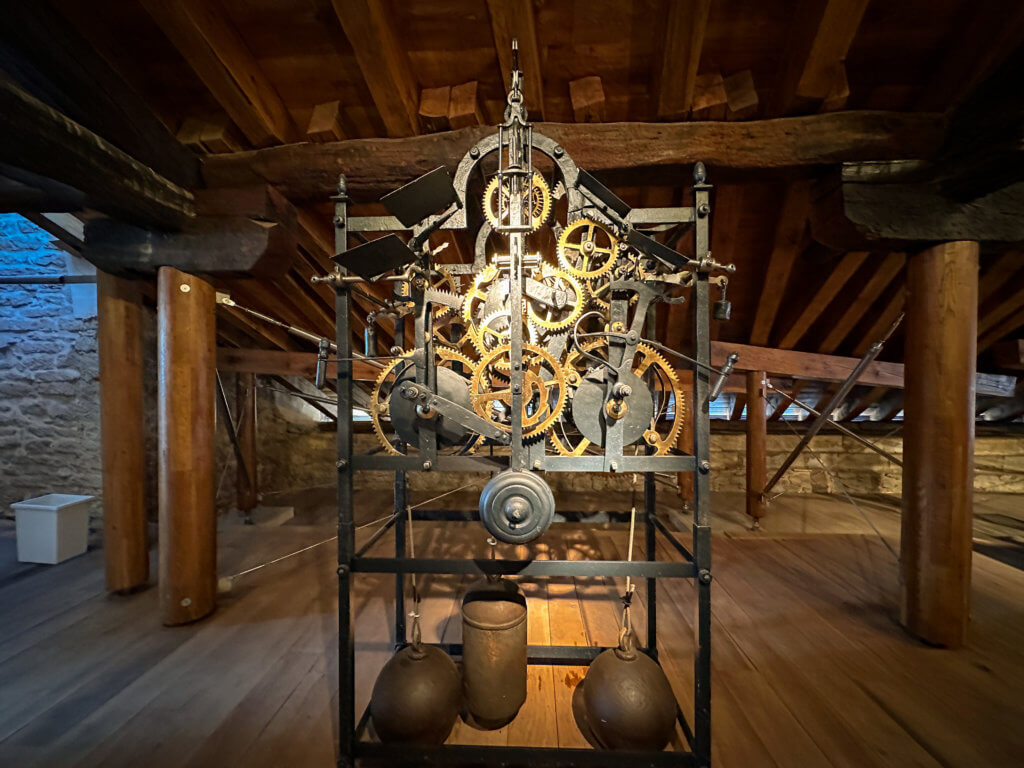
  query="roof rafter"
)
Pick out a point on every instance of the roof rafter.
point(514, 20)
point(680, 58)
point(206, 38)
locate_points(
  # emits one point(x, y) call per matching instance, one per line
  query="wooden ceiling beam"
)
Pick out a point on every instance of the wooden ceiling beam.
point(884, 273)
point(676, 77)
point(209, 42)
point(514, 20)
point(1007, 326)
point(37, 138)
point(999, 274)
point(49, 57)
point(865, 401)
point(789, 239)
point(383, 63)
point(279, 363)
point(305, 172)
point(821, 35)
point(813, 366)
point(829, 289)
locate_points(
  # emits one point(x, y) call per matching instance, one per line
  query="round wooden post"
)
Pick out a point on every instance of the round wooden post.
point(757, 439)
point(246, 481)
point(122, 433)
point(938, 441)
point(188, 526)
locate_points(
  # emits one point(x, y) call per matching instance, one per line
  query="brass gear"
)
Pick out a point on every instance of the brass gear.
point(549, 318)
point(491, 333)
point(379, 407)
point(472, 305)
point(485, 389)
point(646, 358)
point(537, 205)
point(443, 281)
point(587, 249)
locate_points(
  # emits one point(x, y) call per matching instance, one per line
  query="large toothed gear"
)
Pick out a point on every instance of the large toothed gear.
point(536, 205)
point(380, 396)
point(649, 361)
point(544, 390)
point(551, 318)
point(495, 330)
point(587, 250)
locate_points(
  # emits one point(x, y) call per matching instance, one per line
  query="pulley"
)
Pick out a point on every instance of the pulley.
point(628, 700)
point(516, 506)
point(417, 696)
point(602, 399)
point(494, 651)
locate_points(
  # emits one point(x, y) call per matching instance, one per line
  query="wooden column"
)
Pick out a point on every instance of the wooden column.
point(123, 433)
point(188, 530)
point(938, 441)
point(246, 481)
point(757, 439)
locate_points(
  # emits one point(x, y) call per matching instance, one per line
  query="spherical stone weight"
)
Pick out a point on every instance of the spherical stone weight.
point(516, 506)
point(417, 697)
point(628, 701)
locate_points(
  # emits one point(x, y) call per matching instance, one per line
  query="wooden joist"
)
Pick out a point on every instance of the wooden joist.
point(835, 281)
point(326, 124)
point(49, 57)
point(587, 97)
point(514, 20)
point(789, 239)
point(885, 271)
point(680, 58)
point(813, 366)
point(206, 38)
point(433, 110)
point(383, 63)
point(821, 36)
point(41, 140)
point(305, 172)
point(280, 363)
point(710, 100)
point(464, 106)
point(741, 95)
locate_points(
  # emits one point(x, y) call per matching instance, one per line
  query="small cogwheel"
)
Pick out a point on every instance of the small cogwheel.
point(551, 318)
point(536, 205)
point(586, 249)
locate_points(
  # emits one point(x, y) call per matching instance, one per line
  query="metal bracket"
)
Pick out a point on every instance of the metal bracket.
point(454, 411)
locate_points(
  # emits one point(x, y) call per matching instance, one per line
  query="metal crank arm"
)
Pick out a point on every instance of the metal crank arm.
point(545, 295)
point(431, 402)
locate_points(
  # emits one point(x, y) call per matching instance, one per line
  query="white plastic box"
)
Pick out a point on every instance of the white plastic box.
point(52, 528)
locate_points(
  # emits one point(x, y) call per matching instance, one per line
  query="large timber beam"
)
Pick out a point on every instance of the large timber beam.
point(271, 362)
point(871, 206)
point(812, 366)
point(49, 57)
point(39, 139)
point(210, 246)
point(305, 172)
point(680, 58)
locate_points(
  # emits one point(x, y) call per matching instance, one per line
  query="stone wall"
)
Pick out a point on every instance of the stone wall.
point(49, 404)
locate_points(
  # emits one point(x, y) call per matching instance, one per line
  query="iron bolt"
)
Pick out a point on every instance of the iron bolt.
point(704, 575)
point(474, 152)
point(703, 209)
point(342, 569)
point(705, 466)
point(427, 465)
point(339, 222)
point(342, 463)
point(537, 464)
point(615, 466)
point(559, 151)
point(517, 389)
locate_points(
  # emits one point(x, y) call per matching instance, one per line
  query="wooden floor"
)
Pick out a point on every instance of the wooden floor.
point(810, 666)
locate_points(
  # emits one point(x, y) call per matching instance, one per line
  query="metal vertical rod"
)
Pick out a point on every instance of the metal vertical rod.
point(702, 512)
point(515, 299)
point(346, 524)
point(400, 502)
point(650, 490)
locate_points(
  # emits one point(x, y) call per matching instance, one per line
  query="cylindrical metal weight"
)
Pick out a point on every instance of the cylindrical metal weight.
point(516, 506)
point(494, 651)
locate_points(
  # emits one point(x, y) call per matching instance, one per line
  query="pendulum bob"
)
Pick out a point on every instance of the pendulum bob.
point(627, 699)
point(494, 652)
point(516, 506)
point(417, 696)
point(409, 416)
